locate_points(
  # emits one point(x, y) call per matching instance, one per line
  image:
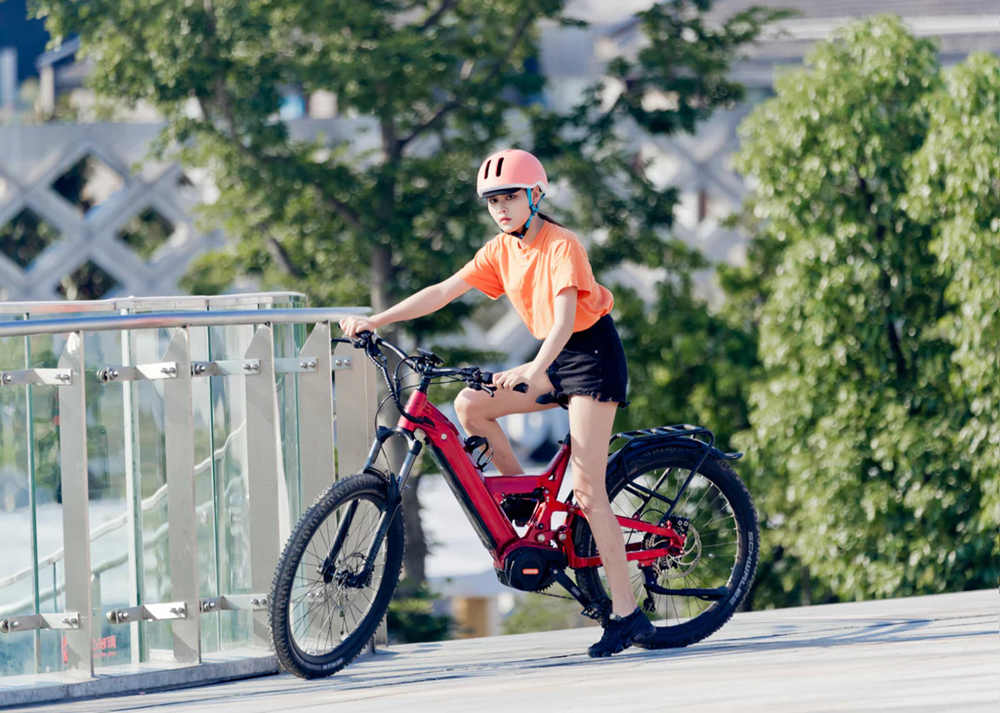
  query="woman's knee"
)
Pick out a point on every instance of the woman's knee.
point(590, 494)
point(468, 407)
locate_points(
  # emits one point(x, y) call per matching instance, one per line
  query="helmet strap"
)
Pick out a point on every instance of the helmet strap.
point(522, 231)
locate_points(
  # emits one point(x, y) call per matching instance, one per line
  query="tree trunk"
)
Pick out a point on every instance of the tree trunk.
point(414, 560)
point(381, 275)
point(414, 564)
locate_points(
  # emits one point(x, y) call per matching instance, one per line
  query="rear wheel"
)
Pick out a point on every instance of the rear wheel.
point(323, 610)
point(720, 551)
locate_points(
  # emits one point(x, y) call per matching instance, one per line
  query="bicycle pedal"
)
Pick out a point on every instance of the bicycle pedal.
point(599, 612)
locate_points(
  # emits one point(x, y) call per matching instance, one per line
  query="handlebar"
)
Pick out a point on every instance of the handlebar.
point(424, 364)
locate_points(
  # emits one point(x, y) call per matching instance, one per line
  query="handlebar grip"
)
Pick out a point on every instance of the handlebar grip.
point(359, 341)
point(486, 377)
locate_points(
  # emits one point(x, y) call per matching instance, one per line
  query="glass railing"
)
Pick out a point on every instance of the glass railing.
point(153, 452)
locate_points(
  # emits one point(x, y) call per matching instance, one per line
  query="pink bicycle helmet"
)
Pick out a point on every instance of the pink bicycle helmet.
point(510, 169)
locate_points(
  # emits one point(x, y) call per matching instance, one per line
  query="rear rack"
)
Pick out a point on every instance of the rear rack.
point(680, 430)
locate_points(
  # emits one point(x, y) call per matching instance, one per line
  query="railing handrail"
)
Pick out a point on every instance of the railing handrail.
point(155, 320)
point(274, 407)
point(125, 303)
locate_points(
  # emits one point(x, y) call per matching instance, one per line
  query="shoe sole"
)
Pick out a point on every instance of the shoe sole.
point(638, 638)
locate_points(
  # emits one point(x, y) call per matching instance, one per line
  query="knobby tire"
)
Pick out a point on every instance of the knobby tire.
point(330, 604)
point(719, 493)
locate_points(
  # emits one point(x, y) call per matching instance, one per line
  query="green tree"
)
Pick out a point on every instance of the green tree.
point(782, 578)
point(955, 183)
point(370, 215)
point(685, 363)
point(854, 411)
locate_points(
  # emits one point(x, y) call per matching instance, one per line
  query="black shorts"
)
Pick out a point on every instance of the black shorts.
point(591, 364)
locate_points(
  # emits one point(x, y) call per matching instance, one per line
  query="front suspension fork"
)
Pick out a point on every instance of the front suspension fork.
point(394, 502)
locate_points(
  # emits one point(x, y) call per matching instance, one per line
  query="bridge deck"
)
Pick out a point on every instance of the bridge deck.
point(936, 653)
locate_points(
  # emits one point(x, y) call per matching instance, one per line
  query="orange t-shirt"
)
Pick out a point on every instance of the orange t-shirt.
point(532, 275)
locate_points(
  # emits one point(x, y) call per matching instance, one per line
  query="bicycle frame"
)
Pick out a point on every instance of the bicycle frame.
point(480, 496)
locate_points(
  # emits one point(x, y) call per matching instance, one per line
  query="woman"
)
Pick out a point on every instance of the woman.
point(543, 269)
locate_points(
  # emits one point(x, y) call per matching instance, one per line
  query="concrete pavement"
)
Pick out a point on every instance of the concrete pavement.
point(937, 653)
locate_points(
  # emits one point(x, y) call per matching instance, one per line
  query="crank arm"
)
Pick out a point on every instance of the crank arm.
point(595, 610)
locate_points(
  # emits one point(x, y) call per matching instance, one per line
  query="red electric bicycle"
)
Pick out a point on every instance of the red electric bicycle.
point(690, 529)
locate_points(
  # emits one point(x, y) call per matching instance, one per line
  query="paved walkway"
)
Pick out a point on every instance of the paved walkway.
point(938, 653)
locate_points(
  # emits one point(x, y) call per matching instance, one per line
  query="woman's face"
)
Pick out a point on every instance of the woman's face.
point(510, 210)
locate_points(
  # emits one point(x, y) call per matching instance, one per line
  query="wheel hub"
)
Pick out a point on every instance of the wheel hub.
point(352, 573)
point(678, 563)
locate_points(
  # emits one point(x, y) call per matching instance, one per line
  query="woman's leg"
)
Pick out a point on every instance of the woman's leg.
point(478, 413)
point(590, 423)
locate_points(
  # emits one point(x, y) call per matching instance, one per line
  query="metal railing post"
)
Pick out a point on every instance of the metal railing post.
point(75, 505)
point(133, 500)
point(29, 430)
point(264, 475)
point(355, 388)
point(183, 529)
point(316, 415)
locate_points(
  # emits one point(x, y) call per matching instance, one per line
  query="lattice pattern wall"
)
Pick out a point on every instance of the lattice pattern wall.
point(94, 229)
point(710, 190)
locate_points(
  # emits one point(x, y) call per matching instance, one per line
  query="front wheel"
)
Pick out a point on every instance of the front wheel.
point(323, 608)
point(720, 551)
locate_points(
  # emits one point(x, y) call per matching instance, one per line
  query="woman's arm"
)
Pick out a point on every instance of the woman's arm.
point(564, 308)
point(430, 299)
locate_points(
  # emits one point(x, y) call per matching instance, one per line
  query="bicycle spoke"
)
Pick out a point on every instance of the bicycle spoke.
point(711, 549)
point(322, 613)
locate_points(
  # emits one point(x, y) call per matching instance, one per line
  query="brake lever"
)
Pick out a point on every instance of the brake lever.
point(366, 340)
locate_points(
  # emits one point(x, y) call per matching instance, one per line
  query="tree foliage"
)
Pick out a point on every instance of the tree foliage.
point(680, 355)
point(370, 214)
point(855, 415)
point(955, 184)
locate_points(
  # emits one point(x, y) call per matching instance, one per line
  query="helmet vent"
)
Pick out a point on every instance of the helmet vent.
point(486, 170)
point(499, 166)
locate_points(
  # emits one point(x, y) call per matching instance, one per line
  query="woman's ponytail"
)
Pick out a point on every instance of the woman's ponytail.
point(547, 219)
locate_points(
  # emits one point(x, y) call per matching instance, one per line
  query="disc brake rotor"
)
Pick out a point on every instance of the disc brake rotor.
point(678, 564)
point(351, 566)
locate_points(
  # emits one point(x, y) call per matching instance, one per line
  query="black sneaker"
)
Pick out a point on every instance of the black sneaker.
point(622, 632)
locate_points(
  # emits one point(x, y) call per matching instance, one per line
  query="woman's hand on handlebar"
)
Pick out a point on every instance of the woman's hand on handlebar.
point(352, 326)
point(529, 374)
